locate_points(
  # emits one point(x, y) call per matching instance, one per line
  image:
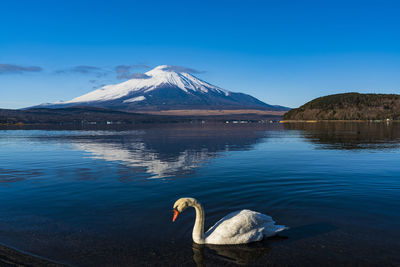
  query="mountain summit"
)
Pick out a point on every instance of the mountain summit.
point(165, 88)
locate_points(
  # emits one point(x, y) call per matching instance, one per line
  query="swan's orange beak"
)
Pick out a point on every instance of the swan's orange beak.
point(176, 213)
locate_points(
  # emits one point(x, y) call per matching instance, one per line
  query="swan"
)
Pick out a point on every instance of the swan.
point(238, 227)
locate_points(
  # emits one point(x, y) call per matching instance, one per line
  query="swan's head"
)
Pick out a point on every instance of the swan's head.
point(182, 204)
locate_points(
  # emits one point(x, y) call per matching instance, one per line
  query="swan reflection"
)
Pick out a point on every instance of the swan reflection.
point(237, 254)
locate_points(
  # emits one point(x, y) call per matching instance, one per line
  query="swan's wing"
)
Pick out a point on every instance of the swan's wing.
point(240, 227)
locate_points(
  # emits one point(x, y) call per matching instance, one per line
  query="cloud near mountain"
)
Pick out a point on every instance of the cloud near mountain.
point(11, 68)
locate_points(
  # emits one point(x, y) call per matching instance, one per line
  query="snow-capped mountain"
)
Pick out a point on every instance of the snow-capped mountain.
point(163, 88)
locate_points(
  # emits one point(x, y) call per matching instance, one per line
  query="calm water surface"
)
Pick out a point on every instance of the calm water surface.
point(104, 198)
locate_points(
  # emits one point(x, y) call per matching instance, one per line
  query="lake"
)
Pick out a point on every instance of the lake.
point(104, 197)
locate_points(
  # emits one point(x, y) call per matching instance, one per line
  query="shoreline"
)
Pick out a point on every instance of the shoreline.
point(13, 257)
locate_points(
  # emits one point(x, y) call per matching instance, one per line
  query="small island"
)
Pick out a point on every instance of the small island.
point(348, 106)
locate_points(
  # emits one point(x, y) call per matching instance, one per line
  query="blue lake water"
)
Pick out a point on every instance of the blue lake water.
point(104, 197)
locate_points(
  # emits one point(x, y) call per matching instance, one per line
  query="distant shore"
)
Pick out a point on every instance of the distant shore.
point(211, 112)
point(314, 121)
point(95, 116)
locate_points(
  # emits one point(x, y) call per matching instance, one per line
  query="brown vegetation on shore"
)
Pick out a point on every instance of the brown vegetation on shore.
point(210, 112)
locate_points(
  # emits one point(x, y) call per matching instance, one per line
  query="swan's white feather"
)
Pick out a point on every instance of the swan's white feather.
point(240, 227)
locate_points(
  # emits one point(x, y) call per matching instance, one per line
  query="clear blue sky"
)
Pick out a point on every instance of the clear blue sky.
point(283, 52)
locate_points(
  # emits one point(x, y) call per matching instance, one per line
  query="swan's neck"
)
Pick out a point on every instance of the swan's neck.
point(198, 229)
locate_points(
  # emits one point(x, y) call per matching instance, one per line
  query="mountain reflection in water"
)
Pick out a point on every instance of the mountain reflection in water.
point(167, 152)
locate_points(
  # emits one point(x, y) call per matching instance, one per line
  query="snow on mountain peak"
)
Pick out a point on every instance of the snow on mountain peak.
point(162, 75)
point(161, 67)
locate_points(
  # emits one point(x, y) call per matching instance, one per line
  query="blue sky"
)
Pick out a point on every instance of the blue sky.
point(282, 52)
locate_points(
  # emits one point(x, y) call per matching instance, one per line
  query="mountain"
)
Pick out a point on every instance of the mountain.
point(163, 88)
point(349, 106)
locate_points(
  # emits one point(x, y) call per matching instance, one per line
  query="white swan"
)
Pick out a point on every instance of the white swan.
point(239, 227)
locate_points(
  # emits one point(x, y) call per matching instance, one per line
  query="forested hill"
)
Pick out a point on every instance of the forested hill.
point(349, 106)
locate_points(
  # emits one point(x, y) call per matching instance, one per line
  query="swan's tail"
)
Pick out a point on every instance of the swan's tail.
point(280, 228)
point(274, 230)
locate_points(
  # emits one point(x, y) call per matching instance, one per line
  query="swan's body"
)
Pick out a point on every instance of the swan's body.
point(238, 227)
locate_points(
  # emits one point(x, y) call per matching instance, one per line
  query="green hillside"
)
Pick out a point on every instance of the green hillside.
point(349, 106)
